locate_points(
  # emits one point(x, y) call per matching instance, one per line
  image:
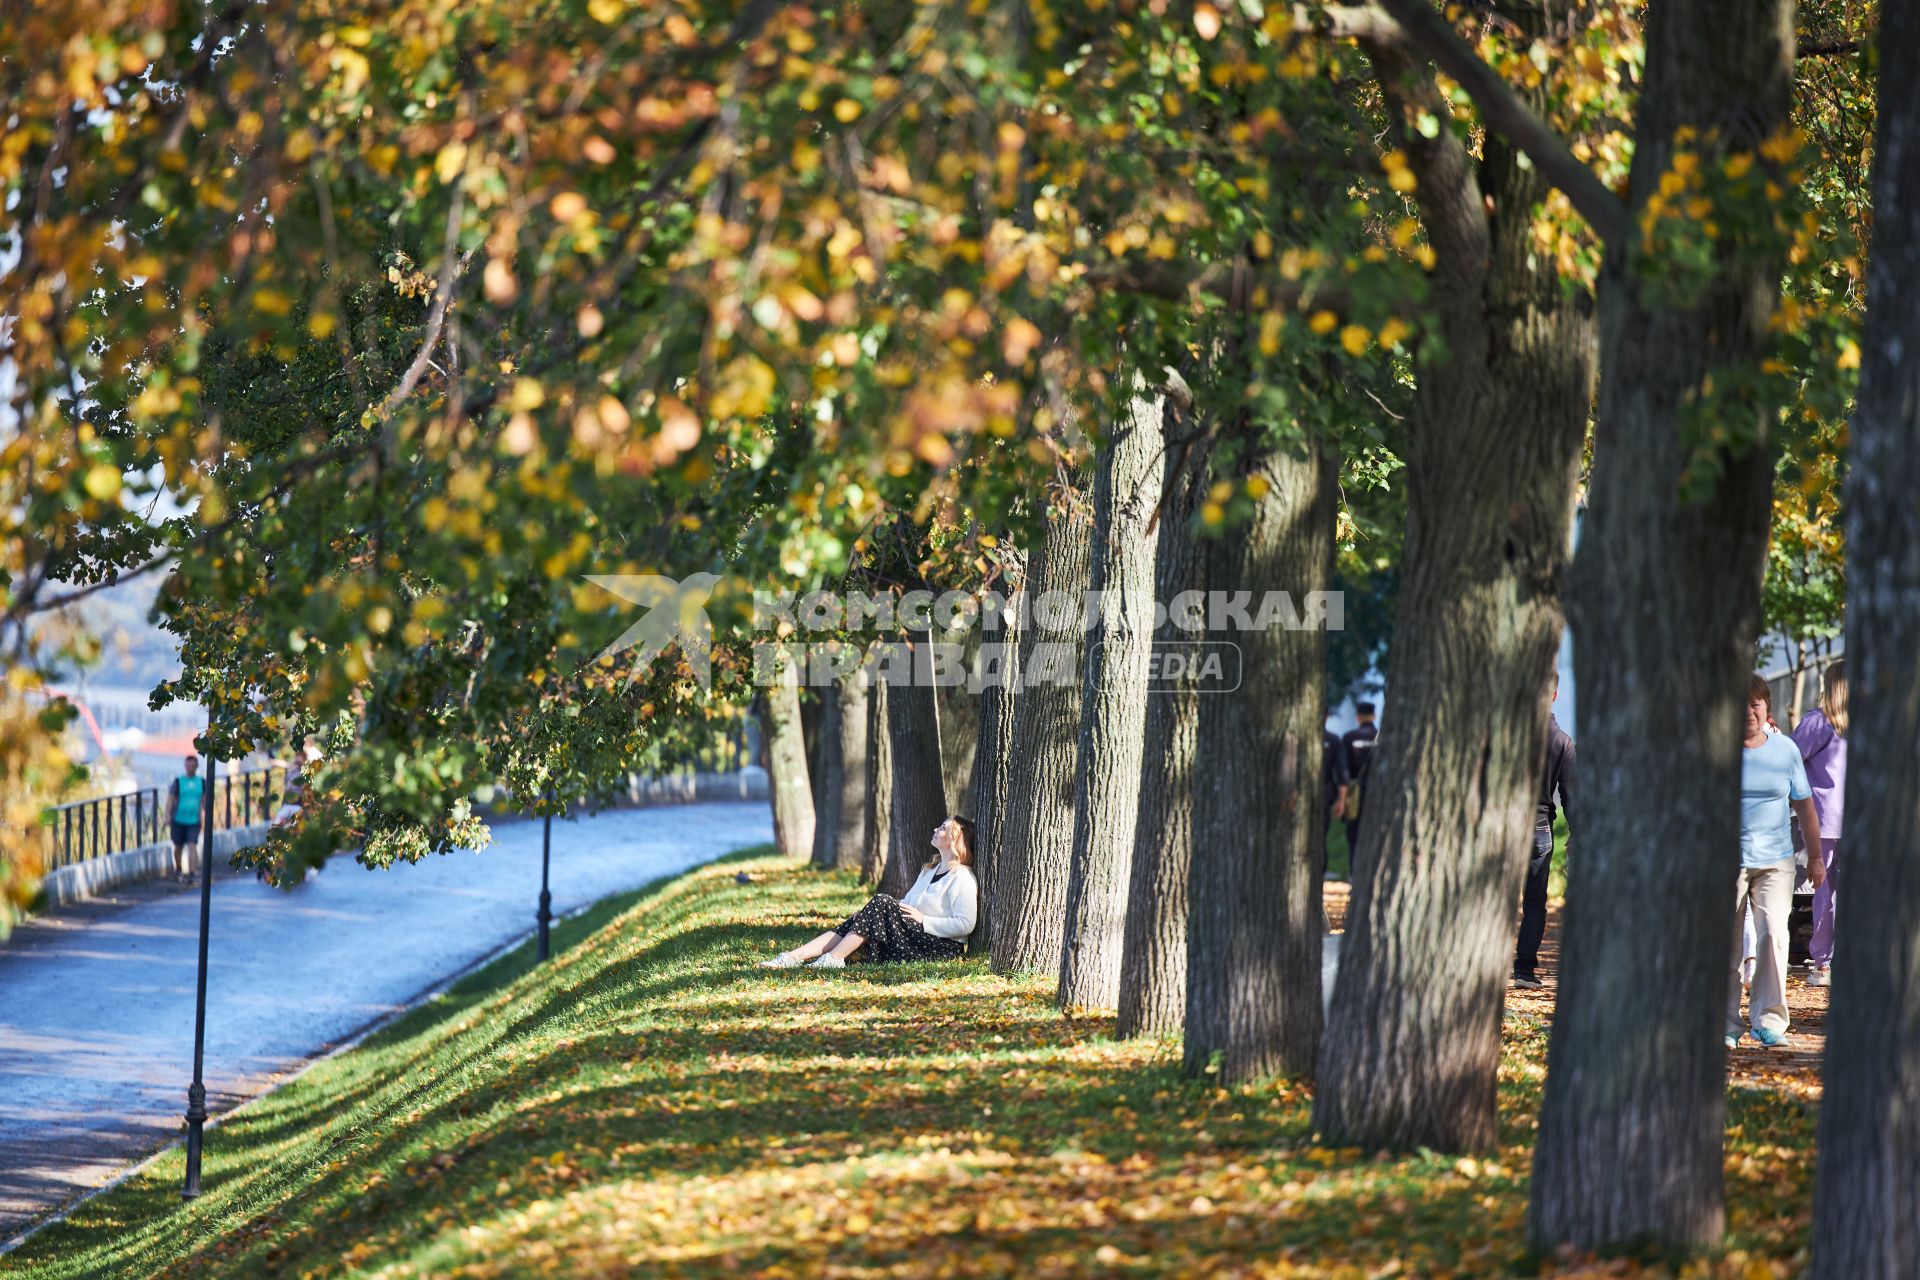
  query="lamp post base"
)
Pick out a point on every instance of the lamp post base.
point(196, 1124)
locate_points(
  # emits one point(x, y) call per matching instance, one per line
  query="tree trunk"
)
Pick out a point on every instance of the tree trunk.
point(1798, 703)
point(787, 768)
point(959, 731)
point(993, 757)
point(919, 789)
point(1866, 1209)
point(843, 827)
point(1036, 847)
point(1413, 1037)
point(1666, 610)
point(813, 714)
point(829, 780)
point(1255, 922)
point(1153, 967)
point(1113, 709)
point(877, 838)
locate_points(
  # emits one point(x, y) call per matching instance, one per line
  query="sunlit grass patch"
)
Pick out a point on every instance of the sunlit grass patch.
point(651, 1102)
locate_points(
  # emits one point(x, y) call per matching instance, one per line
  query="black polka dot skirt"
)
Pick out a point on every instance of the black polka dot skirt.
point(892, 937)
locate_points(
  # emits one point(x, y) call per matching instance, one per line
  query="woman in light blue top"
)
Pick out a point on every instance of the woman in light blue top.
point(1773, 786)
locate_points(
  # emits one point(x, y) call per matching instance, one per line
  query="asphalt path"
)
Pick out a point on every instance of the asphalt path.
point(96, 1004)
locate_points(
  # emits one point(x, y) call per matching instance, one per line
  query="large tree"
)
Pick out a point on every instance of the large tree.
point(1153, 969)
point(877, 840)
point(994, 773)
point(1504, 377)
point(1665, 609)
point(1113, 707)
point(841, 825)
point(1255, 922)
point(787, 780)
point(1867, 1198)
point(919, 800)
point(1035, 846)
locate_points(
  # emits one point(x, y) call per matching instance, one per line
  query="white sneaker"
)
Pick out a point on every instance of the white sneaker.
point(785, 960)
point(1820, 976)
point(828, 961)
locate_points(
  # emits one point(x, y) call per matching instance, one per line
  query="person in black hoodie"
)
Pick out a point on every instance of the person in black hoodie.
point(1557, 780)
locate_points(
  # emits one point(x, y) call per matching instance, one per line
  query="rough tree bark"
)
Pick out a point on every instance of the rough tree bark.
point(1500, 412)
point(1866, 1207)
point(1113, 708)
point(1665, 608)
point(919, 786)
point(1036, 845)
point(959, 727)
point(993, 756)
point(1254, 921)
point(813, 716)
point(876, 842)
point(787, 768)
point(840, 838)
point(829, 779)
point(1153, 967)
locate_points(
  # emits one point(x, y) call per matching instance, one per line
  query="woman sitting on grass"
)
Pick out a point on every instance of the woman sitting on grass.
point(930, 923)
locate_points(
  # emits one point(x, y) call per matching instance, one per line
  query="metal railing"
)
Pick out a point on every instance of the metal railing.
point(107, 825)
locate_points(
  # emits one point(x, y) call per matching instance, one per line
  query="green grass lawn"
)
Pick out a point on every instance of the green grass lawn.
point(651, 1103)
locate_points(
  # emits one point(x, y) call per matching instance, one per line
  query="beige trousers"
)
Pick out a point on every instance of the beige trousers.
point(1769, 890)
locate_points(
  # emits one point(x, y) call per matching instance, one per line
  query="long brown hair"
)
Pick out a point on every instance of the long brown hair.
point(963, 848)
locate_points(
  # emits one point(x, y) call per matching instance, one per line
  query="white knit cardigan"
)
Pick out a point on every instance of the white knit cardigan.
point(950, 906)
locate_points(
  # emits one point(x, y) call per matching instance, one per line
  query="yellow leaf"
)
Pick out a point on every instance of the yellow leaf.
point(1019, 340)
point(527, 394)
point(102, 481)
point(451, 160)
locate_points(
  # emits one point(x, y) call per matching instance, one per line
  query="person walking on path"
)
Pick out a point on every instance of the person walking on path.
point(1359, 742)
point(1557, 781)
point(185, 798)
point(1773, 784)
point(930, 923)
point(1821, 736)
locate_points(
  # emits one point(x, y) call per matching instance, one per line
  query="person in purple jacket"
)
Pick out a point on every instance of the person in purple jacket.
point(1821, 736)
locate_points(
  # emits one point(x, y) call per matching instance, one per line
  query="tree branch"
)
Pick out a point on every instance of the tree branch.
point(1415, 23)
point(1826, 48)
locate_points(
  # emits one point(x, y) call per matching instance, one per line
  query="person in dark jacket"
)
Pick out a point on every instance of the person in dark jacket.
point(1358, 744)
point(1333, 783)
point(1557, 780)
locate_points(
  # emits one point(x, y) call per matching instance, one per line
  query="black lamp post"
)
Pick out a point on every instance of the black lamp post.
point(545, 914)
point(197, 1091)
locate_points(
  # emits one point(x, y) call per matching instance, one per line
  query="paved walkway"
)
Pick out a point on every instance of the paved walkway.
point(96, 1005)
